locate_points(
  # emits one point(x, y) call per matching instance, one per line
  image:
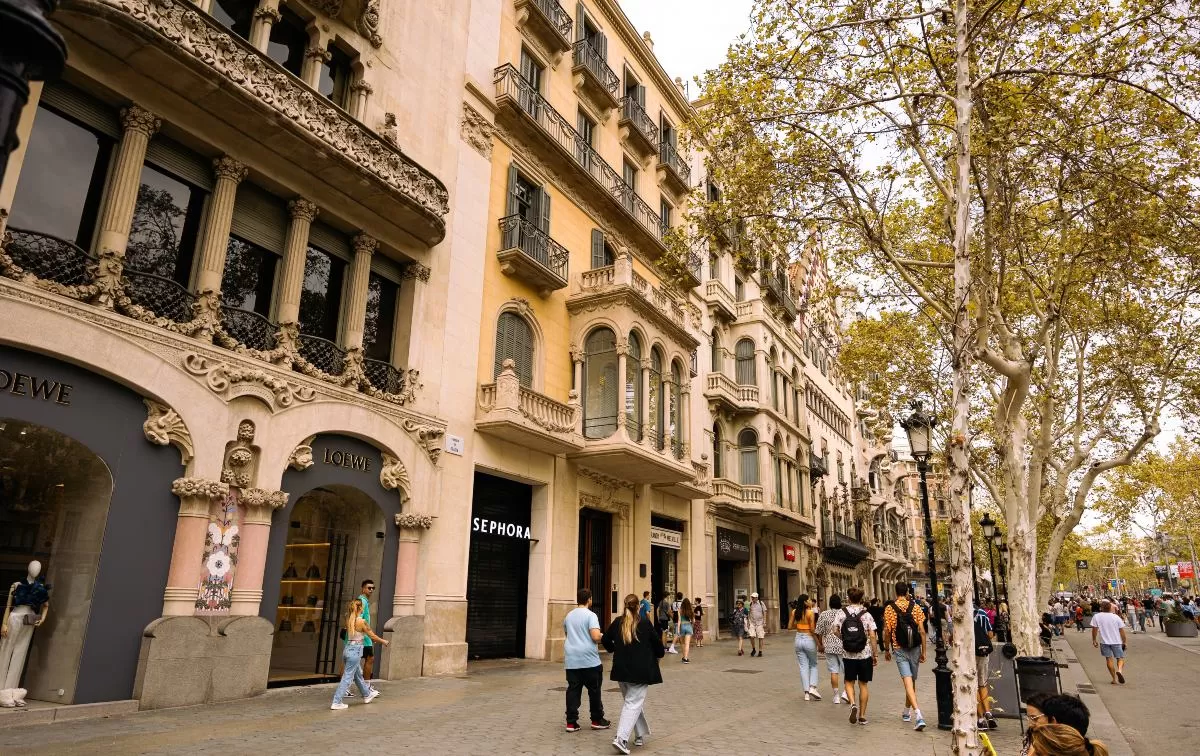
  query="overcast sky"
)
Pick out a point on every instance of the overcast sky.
point(690, 36)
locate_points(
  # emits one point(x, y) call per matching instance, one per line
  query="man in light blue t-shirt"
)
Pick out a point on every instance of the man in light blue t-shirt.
point(582, 630)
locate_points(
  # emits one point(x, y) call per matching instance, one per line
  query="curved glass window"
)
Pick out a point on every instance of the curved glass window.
point(600, 384)
point(633, 388)
point(748, 457)
point(716, 352)
point(718, 468)
point(675, 419)
point(655, 404)
point(745, 363)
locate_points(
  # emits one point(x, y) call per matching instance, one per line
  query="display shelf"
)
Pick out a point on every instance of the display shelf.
point(313, 608)
point(305, 545)
point(285, 581)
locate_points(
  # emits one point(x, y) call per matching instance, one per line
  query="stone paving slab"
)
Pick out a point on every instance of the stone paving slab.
point(720, 703)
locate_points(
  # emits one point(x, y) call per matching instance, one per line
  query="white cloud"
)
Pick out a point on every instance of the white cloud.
point(690, 36)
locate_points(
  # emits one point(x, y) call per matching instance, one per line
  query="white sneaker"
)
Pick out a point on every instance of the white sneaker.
point(338, 707)
point(807, 697)
point(371, 696)
point(837, 698)
point(815, 694)
point(672, 650)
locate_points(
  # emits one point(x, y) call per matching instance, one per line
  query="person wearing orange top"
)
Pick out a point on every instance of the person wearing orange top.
point(904, 636)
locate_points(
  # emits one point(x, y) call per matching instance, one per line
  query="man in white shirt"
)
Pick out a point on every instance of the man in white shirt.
point(1108, 635)
point(756, 624)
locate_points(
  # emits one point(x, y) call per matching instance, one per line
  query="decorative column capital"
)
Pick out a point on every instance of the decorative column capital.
point(268, 13)
point(137, 118)
point(302, 209)
point(260, 504)
point(318, 53)
point(417, 271)
point(393, 476)
point(196, 495)
point(364, 244)
point(226, 167)
point(414, 521)
point(362, 86)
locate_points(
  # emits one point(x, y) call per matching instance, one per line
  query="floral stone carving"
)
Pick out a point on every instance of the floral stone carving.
point(413, 521)
point(221, 377)
point(428, 436)
point(164, 426)
point(393, 476)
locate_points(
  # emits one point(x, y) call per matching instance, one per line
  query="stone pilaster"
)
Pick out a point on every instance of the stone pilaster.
point(356, 298)
point(214, 236)
point(196, 497)
point(257, 508)
point(295, 252)
point(360, 94)
point(406, 630)
point(310, 70)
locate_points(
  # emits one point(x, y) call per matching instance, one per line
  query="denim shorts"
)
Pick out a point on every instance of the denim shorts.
point(908, 661)
point(833, 663)
point(1112, 651)
point(685, 628)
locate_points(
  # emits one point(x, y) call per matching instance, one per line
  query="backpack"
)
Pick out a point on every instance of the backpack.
point(908, 635)
point(854, 635)
point(983, 644)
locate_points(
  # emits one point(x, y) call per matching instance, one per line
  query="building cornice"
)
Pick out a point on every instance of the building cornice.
point(644, 55)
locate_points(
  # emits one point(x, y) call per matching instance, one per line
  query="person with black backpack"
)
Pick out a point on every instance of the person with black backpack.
point(904, 636)
point(856, 628)
point(984, 634)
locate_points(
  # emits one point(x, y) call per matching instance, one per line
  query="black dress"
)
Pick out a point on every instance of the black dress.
point(636, 663)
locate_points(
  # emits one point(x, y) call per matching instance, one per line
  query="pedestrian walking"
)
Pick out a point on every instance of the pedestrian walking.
point(581, 627)
point(1079, 618)
point(803, 619)
point(698, 622)
point(368, 657)
point(645, 607)
point(904, 636)
point(984, 635)
point(829, 642)
point(687, 621)
point(875, 609)
point(1131, 614)
point(756, 623)
point(1108, 635)
point(636, 648)
point(857, 632)
point(737, 625)
point(1164, 608)
point(664, 617)
point(1002, 622)
point(675, 606)
point(352, 654)
point(1062, 740)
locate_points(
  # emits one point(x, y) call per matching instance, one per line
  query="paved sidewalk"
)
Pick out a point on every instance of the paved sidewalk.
point(720, 703)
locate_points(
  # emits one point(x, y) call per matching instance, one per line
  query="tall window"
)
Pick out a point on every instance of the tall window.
point(718, 467)
point(745, 363)
point(656, 405)
point(748, 457)
point(336, 75)
point(629, 174)
point(166, 221)
point(714, 265)
point(62, 179)
point(531, 71)
point(249, 276)
point(774, 380)
point(321, 297)
point(235, 15)
point(288, 41)
point(664, 214)
point(739, 289)
point(587, 139)
point(716, 351)
point(379, 327)
point(600, 384)
point(514, 341)
point(676, 409)
point(776, 451)
point(602, 251)
point(633, 388)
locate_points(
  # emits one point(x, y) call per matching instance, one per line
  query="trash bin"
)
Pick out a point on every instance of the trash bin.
point(1036, 674)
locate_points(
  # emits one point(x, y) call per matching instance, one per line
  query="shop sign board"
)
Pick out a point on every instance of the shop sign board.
point(485, 526)
point(789, 553)
point(671, 539)
point(1186, 570)
point(1081, 564)
point(732, 545)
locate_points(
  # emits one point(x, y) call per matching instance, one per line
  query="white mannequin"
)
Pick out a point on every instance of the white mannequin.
point(16, 632)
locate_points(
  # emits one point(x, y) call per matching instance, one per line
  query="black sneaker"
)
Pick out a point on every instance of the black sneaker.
point(600, 724)
point(754, 652)
point(991, 721)
point(573, 727)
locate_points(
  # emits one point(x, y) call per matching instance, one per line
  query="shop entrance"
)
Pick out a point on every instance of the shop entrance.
point(335, 540)
point(666, 539)
point(54, 500)
point(725, 598)
point(498, 572)
point(785, 595)
point(595, 560)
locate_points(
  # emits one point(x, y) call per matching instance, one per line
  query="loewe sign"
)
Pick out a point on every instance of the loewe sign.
point(360, 462)
point(20, 384)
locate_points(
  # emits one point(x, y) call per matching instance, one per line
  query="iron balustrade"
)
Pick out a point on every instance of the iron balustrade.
point(669, 156)
point(591, 59)
point(510, 84)
point(518, 233)
point(162, 296)
point(49, 257)
point(632, 111)
point(558, 18)
point(384, 376)
point(321, 353)
point(249, 328)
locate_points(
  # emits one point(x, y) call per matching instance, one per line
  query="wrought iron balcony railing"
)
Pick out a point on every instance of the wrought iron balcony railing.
point(518, 233)
point(632, 111)
point(249, 328)
point(384, 376)
point(49, 258)
point(321, 353)
point(554, 13)
point(590, 58)
point(162, 296)
point(669, 156)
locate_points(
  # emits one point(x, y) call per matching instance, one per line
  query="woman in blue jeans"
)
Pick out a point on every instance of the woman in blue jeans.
point(803, 618)
point(356, 628)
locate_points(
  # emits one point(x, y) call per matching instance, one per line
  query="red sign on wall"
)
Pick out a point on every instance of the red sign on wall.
point(789, 553)
point(1187, 571)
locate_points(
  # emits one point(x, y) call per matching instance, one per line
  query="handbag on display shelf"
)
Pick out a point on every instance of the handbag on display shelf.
point(312, 601)
point(314, 572)
point(285, 626)
point(309, 627)
point(290, 572)
point(287, 601)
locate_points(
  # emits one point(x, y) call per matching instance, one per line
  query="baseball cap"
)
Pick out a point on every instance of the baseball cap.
point(753, 595)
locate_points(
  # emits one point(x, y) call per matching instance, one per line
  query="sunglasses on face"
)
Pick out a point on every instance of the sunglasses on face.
point(369, 588)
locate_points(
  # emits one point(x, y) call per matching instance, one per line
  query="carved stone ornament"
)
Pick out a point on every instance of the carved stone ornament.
point(414, 521)
point(301, 457)
point(591, 501)
point(241, 66)
point(393, 476)
point(136, 118)
point(164, 426)
point(476, 131)
point(225, 379)
point(428, 436)
point(416, 271)
point(199, 488)
point(331, 8)
point(257, 497)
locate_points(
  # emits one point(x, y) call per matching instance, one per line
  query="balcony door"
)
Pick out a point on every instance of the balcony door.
point(595, 560)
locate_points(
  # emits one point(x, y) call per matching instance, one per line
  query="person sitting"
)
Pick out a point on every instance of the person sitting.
point(1061, 740)
point(1054, 708)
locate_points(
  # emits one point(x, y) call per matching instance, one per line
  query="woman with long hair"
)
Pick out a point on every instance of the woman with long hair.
point(352, 654)
point(687, 622)
point(1062, 740)
point(698, 623)
point(636, 649)
point(803, 619)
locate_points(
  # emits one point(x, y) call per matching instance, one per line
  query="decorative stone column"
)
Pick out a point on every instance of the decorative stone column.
point(214, 237)
point(120, 202)
point(360, 94)
point(266, 15)
point(196, 497)
point(295, 253)
point(577, 363)
point(622, 379)
point(258, 506)
point(410, 305)
point(406, 629)
point(411, 526)
point(648, 422)
point(685, 419)
point(356, 292)
point(310, 69)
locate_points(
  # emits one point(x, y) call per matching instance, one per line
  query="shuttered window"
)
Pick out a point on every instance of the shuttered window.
point(600, 384)
point(633, 388)
point(514, 341)
point(528, 200)
point(745, 363)
point(260, 218)
point(748, 454)
point(602, 255)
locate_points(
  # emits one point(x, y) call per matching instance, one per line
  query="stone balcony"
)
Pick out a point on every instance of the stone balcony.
point(673, 170)
point(509, 411)
point(699, 487)
point(619, 286)
point(180, 55)
point(749, 500)
point(547, 22)
point(720, 301)
point(595, 81)
point(723, 393)
point(642, 461)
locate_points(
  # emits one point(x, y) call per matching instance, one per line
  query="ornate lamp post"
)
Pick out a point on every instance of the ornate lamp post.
point(989, 533)
point(919, 428)
point(1003, 569)
point(30, 50)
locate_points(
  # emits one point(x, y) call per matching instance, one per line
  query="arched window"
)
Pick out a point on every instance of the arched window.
point(655, 403)
point(745, 363)
point(633, 388)
point(716, 352)
point(718, 467)
point(748, 457)
point(514, 341)
point(771, 362)
point(675, 409)
point(796, 396)
point(776, 452)
point(600, 384)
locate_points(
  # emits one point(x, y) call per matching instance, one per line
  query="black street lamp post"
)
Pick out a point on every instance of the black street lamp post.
point(919, 428)
point(989, 530)
point(1003, 570)
point(30, 50)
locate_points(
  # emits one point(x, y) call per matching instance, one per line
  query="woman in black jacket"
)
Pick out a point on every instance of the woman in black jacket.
point(636, 649)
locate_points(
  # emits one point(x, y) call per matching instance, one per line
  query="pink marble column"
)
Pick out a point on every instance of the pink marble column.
point(254, 535)
point(196, 497)
point(411, 525)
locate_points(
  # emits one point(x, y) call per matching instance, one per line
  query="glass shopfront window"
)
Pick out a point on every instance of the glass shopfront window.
point(166, 221)
point(381, 318)
point(321, 297)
